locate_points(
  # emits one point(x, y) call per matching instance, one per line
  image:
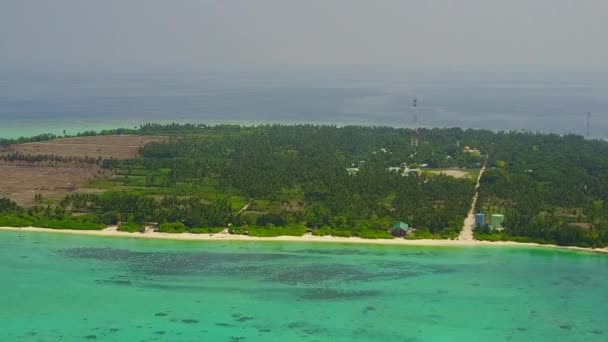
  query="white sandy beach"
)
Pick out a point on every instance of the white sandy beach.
point(112, 232)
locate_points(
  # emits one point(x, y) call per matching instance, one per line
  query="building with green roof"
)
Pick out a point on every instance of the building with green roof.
point(399, 229)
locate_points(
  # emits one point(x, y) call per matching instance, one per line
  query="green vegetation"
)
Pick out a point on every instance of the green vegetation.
point(552, 189)
point(25, 220)
point(175, 227)
point(270, 230)
point(42, 137)
point(69, 223)
point(206, 230)
point(288, 180)
point(12, 220)
point(427, 234)
point(129, 227)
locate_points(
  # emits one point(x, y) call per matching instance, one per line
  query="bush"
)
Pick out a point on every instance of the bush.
point(490, 237)
point(86, 222)
point(206, 230)
point(241, 230)
point(270, 231)
point(10, 220)
point(425, 233)
point(174, 227)
point(341, 233)
point(482, 229)
point(527, 239)
point(7, 206)
point(373, 234)
point(129, 227)
point(271, 218)
point(75, 224)
point(323, 231)
point(109, 218)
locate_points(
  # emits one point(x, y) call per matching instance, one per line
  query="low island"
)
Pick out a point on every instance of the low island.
point(311, 183)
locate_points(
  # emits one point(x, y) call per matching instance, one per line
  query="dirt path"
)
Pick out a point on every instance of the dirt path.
point(243, 208)
point(466, 234)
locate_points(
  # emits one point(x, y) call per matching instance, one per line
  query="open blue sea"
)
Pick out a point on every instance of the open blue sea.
point(33, 102)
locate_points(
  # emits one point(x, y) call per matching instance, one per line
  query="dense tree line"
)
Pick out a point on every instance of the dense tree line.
point(39, 158)
point(113, 207)
point(309, 164)
point(551, 188)
point(116, 206)
point(22, 140)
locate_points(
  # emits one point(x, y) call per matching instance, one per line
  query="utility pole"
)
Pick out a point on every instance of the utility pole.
point(588, 125)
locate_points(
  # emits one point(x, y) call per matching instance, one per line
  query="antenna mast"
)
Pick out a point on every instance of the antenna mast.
point(588, 125)
point(414, 134)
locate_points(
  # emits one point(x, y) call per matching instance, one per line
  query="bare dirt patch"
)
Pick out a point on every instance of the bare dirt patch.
point(104, 146)
point(21, 182)
point(452, 173)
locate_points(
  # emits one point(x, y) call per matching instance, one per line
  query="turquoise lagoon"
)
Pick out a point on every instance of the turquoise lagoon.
point(59, 287)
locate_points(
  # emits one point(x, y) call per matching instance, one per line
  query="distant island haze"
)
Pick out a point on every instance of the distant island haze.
point(550, 102)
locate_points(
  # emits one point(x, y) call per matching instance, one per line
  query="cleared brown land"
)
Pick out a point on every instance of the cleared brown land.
point(105, 146)
point(453, 173)
point(21, 181)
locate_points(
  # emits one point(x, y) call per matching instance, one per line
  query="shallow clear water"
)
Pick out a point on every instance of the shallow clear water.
point(72, 288)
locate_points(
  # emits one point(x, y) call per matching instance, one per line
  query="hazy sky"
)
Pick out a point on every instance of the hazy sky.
point(199, 33)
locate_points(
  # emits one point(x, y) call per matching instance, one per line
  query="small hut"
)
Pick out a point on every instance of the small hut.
point(399, 229)
point(480, 219)
point(497, 220)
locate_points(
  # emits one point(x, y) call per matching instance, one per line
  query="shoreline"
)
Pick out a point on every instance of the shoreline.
point(110, 232)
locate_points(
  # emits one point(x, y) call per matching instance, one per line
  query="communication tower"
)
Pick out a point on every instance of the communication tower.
point(414, 134)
